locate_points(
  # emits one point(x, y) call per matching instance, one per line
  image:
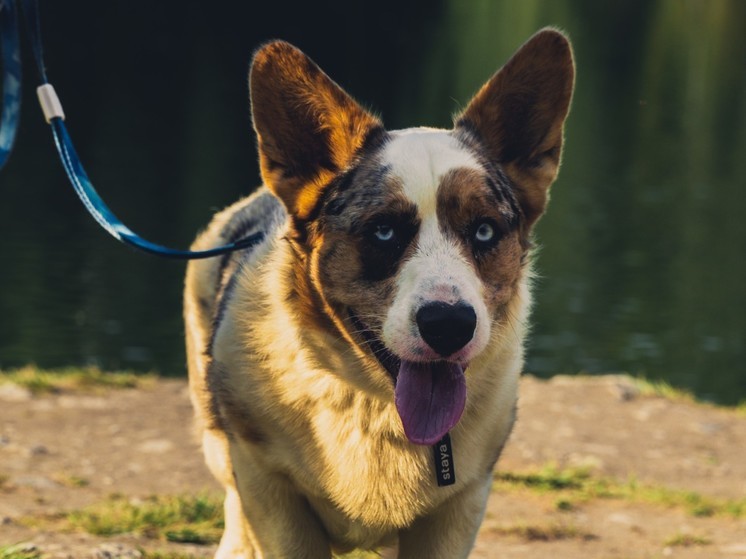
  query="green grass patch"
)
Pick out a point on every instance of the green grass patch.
point(19, 551)
point(165, 555)
point(71, 481)
point(577, 485)
point(741, 408)
point(177, 555)
point(184, 519)
point(181, 519)
point(687, 540)
point(564, 504)
point(46, 381)
point(661, 389)
point(542, 533)
point(549, 478)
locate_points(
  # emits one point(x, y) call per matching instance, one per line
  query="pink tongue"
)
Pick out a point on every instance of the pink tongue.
point(430, 399)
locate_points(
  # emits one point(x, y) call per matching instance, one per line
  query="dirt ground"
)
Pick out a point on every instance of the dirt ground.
point(139, 443)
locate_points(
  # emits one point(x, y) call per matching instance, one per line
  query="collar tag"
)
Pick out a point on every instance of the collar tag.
point(444, 466)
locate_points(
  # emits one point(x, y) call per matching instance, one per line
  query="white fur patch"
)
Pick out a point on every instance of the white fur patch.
point(437, 271)
point(420, 157)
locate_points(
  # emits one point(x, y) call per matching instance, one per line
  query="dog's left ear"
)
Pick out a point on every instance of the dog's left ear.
point(519, 116)
point(308, 128)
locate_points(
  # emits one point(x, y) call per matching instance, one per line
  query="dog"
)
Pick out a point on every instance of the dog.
point(355, 372)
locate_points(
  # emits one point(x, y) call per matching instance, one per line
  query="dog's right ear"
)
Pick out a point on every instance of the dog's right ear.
point(308, 128)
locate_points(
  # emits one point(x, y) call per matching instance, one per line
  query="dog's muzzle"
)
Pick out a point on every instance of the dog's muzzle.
point(429, 395)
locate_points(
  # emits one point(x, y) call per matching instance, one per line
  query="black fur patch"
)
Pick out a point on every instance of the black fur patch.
point(380, 260)
point(373, 143)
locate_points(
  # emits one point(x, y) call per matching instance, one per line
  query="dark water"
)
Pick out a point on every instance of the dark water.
point(643, 259)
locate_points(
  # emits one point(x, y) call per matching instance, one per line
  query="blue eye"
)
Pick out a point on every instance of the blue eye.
point(484, 233)
point(384, 233)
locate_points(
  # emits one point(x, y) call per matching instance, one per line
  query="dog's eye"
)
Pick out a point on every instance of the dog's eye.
point(382, 242)
point(384, 233)
point(484, 233)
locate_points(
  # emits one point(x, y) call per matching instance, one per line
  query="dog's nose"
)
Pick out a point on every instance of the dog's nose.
point(446, 328)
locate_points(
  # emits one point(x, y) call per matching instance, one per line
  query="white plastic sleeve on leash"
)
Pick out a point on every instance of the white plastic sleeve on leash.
point(50, 103)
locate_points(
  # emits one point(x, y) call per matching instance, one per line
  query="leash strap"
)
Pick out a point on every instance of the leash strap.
point(106, 218)
point(11, 56)
point(54, 115)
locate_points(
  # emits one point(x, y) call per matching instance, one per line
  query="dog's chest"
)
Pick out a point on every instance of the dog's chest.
point(370, 481)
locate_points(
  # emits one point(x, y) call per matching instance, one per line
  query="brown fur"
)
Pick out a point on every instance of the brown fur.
point(304, 140)
point(464, 196)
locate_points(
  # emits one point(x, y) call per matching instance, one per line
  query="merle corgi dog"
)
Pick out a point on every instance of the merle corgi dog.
point(355, 373)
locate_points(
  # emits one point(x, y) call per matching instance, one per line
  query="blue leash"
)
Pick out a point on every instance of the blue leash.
point(55, 117)
point(11, 80)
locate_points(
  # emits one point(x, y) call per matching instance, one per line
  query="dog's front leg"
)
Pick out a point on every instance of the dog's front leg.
point(450, 531)
point(281, 520)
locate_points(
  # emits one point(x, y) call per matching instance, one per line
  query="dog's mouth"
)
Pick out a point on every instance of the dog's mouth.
point(430, 396)
point(390, 362)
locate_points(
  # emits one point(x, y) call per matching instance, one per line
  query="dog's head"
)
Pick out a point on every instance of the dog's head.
point(412, 244)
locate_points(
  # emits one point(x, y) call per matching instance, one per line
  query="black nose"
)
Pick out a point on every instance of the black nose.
point(446, 328)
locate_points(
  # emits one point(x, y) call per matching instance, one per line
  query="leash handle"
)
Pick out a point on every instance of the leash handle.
point(50, 103)
point(54, 115)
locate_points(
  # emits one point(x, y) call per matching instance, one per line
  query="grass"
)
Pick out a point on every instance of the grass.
point(190, 519)
point(741, 408)
point(46, 381)
point(180, 519)
point(687, 540)
point(576, 485)
point(71, 481)
point(24, 551)
point(542, 533)
point(165, 555)
point(662, 389)
point(19, 551)
point(184, 519)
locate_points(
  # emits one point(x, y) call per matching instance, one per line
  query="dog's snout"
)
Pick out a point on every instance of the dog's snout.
point(446, 328)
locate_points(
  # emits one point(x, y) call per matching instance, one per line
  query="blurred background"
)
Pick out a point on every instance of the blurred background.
point(643, 251)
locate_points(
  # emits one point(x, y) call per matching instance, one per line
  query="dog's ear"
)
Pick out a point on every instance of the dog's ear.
point(307, 127)
point(519, 114)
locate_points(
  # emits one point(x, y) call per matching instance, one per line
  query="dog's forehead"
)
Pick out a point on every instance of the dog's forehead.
point(420, 157)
